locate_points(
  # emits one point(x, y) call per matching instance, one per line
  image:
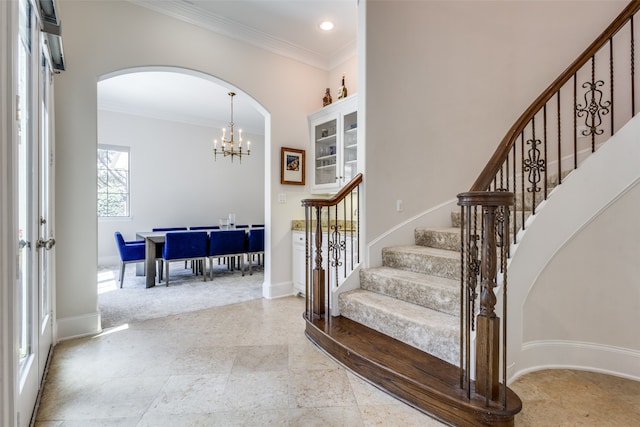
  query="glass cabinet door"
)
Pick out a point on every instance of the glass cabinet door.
point(350, 146)
point(325, 153)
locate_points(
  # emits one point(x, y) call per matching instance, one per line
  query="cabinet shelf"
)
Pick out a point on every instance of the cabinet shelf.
point(351, 146)
point(351, 130)
point(325, 139)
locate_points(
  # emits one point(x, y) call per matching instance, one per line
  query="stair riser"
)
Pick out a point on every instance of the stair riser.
point(419, 263)
point(440, 342)
point(444, 300)
point(455, 219)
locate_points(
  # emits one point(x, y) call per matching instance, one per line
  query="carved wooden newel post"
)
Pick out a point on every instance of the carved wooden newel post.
point(494, 244)
point(318, 282)
point(488, 323)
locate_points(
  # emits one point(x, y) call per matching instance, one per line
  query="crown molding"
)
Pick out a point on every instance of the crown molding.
point(187, 12)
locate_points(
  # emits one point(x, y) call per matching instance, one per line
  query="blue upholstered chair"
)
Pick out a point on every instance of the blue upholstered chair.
point(255, 245)
point(159, 247)
point(183, 246)
point(205, 227)
point(132, 251)
point(226, 243)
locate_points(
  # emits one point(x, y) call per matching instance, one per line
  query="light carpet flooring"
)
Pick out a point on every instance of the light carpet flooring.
point(249, 364)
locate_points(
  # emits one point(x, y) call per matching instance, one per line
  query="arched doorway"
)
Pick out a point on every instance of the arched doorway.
point(163, 121)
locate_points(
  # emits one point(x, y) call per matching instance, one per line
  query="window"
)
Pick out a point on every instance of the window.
point(113, 181)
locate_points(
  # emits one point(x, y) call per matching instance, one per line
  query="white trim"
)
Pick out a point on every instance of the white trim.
point(577, 355)
point(79, 326)
point(278, 290)
point(7, 238)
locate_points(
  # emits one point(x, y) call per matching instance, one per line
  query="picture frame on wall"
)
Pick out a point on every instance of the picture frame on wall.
point(292, 166)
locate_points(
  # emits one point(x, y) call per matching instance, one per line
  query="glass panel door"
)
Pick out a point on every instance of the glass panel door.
point(350, 146)
point(325, 150)
point(26, 289)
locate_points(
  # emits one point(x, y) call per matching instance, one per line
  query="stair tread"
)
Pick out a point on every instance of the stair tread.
point(411, 276)
point(405, 310)
point(424, 250)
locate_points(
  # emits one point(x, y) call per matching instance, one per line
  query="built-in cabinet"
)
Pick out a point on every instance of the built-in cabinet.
point(347, 258)
point(298, 248)
point(334, 142)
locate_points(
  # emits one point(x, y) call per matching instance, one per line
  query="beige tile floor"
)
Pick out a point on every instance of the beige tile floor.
point(249, 364)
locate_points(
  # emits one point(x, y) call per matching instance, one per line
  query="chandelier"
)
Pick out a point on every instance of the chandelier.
point(230, 147)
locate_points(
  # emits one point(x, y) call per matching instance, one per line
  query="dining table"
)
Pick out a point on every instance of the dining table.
point(151, 240)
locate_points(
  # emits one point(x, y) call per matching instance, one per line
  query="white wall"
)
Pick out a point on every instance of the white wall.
point(101, 37)
point(175, 180)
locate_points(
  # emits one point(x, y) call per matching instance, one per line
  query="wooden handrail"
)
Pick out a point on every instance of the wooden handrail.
point(500, 155)
point(335, 199)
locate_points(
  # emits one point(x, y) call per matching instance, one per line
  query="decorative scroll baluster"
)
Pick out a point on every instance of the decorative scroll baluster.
point(594, 107)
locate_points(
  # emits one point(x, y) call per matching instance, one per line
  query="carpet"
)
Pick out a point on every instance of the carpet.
point(186, 292)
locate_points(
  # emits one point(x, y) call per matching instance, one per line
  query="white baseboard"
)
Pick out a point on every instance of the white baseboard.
point(278, 290)
point(79, 326)
point(557, 354)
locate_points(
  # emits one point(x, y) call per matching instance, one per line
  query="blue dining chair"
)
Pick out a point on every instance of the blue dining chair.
point(226, 243)
point(184, 246)
point(255, 245)
point(205, 227)
point(159, 247)
point(130, 252)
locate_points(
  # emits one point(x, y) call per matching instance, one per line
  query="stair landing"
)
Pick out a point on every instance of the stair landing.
point(419, 379)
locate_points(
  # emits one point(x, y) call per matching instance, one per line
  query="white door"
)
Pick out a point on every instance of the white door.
point(33, 332)
point(46, 239)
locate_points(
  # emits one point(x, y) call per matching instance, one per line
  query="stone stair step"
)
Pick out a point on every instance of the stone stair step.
point(440, 238)
point(432, 292)
point(422, 259)
point(428, 330)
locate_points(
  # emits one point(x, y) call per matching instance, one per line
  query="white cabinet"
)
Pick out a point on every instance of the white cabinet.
point(334, 145)
point(299, 272)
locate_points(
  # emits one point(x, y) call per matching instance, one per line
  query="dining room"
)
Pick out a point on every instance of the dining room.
point(162, 160)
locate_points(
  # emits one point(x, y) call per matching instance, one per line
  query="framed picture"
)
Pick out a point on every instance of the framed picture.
point(291, 166)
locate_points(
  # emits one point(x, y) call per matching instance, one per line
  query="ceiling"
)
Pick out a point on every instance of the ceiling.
point(286, 27)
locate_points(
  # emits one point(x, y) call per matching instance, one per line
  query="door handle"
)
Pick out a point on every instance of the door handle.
point(47, 244)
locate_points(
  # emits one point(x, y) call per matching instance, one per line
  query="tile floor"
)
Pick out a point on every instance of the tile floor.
point(249, 364)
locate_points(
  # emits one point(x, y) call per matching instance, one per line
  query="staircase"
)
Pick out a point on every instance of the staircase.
point(401, 330)
point(414, 296)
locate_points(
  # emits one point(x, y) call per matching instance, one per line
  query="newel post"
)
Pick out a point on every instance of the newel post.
point(494, 206)
point(318, 282)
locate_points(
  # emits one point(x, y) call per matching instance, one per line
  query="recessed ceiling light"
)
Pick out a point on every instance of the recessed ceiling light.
point(326, 25)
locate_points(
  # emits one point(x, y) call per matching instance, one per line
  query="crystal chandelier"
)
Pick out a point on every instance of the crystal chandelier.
point(230, 147)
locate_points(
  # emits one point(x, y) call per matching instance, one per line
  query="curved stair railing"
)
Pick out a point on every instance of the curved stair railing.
point(332, 235)
point(579, 111)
